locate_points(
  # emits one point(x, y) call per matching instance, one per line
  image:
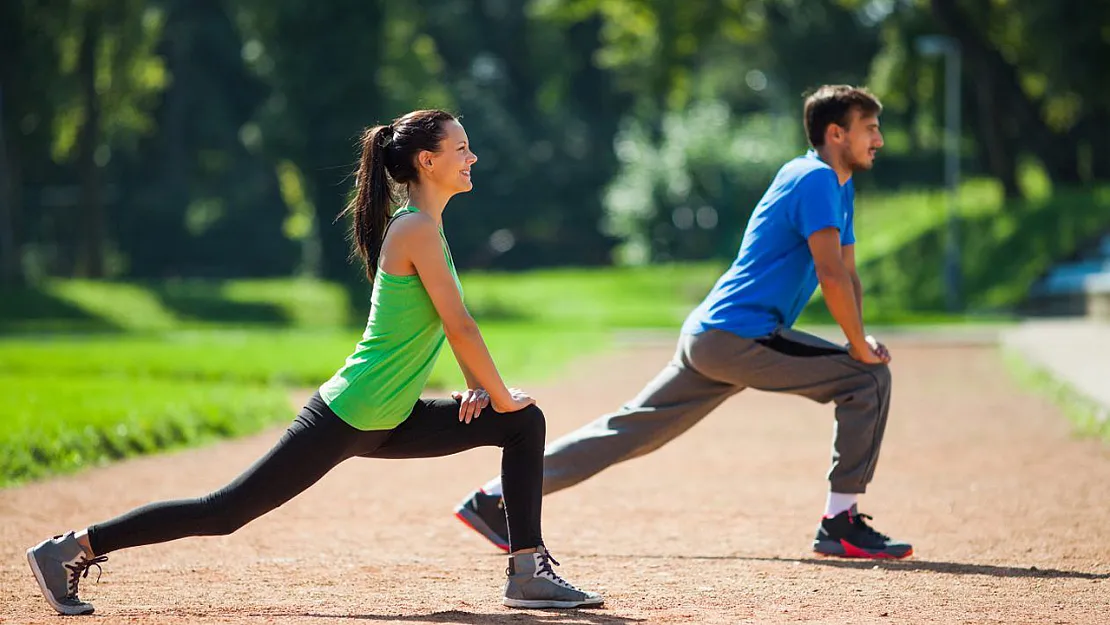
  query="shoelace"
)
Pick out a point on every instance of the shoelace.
point(546, 560)
point(81, 569)
point(858, 521)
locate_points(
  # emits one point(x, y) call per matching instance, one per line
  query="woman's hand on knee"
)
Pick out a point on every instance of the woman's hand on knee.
point(517, 400)
point(471, 402)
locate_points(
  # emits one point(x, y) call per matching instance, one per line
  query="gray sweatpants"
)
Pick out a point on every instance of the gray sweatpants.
point(709, 368)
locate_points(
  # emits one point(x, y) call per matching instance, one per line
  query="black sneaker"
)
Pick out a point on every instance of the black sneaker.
point(485, 514)
point(849, 536)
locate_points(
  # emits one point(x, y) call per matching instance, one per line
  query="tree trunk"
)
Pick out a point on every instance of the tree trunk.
point(12, 44)
point(1098, 138)
point(90, 254)
point(1001, 154)
point(174, 175)
point(10, 271)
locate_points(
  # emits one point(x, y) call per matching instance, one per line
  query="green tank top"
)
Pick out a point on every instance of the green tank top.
point(381, 381)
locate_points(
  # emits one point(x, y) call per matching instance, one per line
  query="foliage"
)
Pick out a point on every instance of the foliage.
point(691, 195)
point(161, 139)
point(57, 423)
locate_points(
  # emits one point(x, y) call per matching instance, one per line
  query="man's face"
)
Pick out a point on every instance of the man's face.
point(860, 140)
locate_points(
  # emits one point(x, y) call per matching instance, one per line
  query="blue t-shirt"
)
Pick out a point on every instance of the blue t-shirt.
point(773, 277)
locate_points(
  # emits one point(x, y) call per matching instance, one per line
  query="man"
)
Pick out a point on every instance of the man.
point(799, 236)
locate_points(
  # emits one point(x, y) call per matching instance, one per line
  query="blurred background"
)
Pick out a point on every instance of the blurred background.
point(170, 173)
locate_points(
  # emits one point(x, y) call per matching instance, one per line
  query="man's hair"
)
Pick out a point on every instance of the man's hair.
point(833, 104)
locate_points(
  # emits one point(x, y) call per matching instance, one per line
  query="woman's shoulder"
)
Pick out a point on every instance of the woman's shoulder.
point(413, 224)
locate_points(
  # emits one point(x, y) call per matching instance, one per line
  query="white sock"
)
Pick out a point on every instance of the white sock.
point(493, 487)
point(839, 502)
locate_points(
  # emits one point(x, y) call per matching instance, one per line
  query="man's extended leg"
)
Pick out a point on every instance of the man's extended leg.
point(677, 398)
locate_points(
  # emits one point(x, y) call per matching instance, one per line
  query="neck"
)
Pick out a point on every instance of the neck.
point(843, 172)
point(429, 200)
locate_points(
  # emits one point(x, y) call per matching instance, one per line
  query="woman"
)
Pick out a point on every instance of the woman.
point(372, 407)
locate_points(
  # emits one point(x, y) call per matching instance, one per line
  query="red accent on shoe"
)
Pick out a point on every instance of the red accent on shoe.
point(459, 516)
point(852, 551)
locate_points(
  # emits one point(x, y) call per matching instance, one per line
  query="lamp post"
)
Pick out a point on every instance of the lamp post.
point(932, 46)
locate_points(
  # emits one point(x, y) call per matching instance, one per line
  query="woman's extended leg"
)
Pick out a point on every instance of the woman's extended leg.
point(315, 442)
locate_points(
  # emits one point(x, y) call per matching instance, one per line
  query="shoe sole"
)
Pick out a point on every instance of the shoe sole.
point(475, 522)
point(548, 603)
point(842, 549)
point(60, 608)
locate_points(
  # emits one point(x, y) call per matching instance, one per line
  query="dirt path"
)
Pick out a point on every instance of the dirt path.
point(1007, 513)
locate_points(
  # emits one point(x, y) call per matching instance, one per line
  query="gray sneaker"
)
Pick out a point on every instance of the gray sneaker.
point(58, 563)
point(533, 583)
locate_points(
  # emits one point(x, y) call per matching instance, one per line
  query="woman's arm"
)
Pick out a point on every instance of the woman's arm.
point(425, 249)
point(468, 375)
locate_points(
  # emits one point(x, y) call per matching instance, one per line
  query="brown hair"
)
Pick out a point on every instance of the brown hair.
point(832, 104)
point(388, 162)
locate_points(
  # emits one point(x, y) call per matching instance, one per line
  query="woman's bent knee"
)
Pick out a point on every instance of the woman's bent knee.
point(530, 422)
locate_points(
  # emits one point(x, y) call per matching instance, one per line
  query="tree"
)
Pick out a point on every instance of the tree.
point(1038, 90)
point(201, 183)
point(542, 117)
point(321, 63)
point(109, 77)
point(10, 271)
point(28, 61)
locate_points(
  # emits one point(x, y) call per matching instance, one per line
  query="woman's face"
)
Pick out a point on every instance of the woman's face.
point(449, 168)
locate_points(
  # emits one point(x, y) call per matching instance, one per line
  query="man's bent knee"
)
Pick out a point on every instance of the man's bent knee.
point(882, 376)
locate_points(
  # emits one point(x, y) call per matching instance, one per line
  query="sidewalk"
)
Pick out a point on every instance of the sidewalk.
point(1074, 351)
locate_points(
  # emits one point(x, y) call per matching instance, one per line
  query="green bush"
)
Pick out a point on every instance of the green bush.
point(58, 424)
point(267, 356)
point(1004, 249)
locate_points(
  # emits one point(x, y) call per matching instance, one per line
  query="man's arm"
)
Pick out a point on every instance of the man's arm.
point(848, 254)
point(839, 291)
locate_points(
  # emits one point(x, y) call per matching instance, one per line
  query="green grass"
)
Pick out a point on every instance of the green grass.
point(98, 371)
point(62, 423)
point(1005, 248)
point(534, 323)
point(886, 222)
point(1087, 416)
point(659, 296)
point(280, 356)
point(85, 305)
point(299, 358)
point(287, 302)
point(526, 352)
point(81, 400)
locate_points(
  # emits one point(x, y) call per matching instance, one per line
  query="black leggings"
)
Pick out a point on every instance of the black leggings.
point(317, 441)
